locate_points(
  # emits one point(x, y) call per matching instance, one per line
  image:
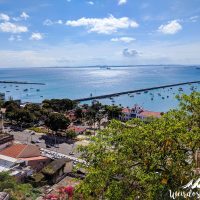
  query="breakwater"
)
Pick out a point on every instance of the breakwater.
point(21, 82)
point(133, 91)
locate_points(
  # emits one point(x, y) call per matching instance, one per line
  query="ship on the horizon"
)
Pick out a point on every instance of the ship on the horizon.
point(104, 67)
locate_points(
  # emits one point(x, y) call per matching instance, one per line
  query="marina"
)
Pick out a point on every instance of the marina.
point(136, 91)
point(81, 83)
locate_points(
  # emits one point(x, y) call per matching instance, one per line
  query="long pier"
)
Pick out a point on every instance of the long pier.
point(133, 91)
point(21, 82)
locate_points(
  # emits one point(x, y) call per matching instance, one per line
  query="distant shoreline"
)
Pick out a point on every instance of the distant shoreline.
point(118, 66)
point(21, 82)
point(99, 66)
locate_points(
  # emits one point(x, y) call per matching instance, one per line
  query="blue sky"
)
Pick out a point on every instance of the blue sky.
point(41, 33)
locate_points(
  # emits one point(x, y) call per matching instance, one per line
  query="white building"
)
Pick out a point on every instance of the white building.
point(137, 112)
point(6, 163)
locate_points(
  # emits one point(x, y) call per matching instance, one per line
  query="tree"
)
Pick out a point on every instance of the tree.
point(10, 104)
point(35, 110)
point(11, 109)
point(24, 117)
point(137, 160)
point(57, 121)
point(70, 134)
point(59, 105)
point(16, 190)
point(79, 113)
point(113, 112)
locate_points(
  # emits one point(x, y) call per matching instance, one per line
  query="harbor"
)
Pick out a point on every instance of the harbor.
point(134, 91)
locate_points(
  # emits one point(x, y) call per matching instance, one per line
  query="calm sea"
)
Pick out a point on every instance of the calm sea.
point(81, 82)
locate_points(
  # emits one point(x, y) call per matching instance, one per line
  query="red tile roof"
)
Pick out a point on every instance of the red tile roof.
point(20, 151)
point(147, 113)
point(77, 129)
point(13, 151)
point(36, 158)
point(126, 110)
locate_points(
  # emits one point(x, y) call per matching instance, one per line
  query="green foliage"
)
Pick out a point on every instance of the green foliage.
point(70, 134)
point(137, 160)
point(17, 190)
point(10, 105)
point(38, 130)
point(113, 112)
point(35, 110)
point(59, 105)
point(79, 113)
point(57, 121)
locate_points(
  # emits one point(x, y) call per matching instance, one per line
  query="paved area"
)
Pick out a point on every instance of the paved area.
point(41, 140)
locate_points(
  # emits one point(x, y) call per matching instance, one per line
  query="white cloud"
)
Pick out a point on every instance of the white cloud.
point(123, 39)
point(15, 38)
point(36, 36)
point(59, 21)
point(121, 2)
point(24, 16)
point(107, 25)
point(49, 22)
point(90, 2)
point(101, 53)
point(9, 27)
point(4, 17)
point(130, 53)
point(194, 18)
point(171, 27)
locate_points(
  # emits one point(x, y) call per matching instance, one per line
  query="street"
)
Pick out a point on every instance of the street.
point(27, 136)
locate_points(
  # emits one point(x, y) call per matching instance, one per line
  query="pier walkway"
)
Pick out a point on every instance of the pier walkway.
point(21, 82)
point(133, 91)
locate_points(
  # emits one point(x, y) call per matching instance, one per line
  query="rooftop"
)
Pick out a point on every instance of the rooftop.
point(21, 151)
point(54, 166)
point(4, 195)
point(147, 113)
point(4, 138)
point(78, 129)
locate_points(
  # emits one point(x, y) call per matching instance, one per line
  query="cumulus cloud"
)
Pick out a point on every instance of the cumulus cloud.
point(59, 21)
point(130, 53)
point(15, 38)
point(171, 27)
point(49, 22)
point(194, 18)
point(123, 39)
point(9, 27)
point(90, 3)
point(36, 36)
point(107, 25)
point(121, 2)
point(24, 16)
point(4, 17)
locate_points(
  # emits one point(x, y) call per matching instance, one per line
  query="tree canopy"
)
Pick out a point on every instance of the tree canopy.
point(59, 105)
point(57, 121)
point(17, 190)
point(137, 160)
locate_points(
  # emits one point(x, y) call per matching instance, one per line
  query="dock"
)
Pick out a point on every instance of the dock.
point(21, 82)
point(133, 91)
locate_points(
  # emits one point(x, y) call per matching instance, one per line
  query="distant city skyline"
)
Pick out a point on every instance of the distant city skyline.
point(99, 32)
